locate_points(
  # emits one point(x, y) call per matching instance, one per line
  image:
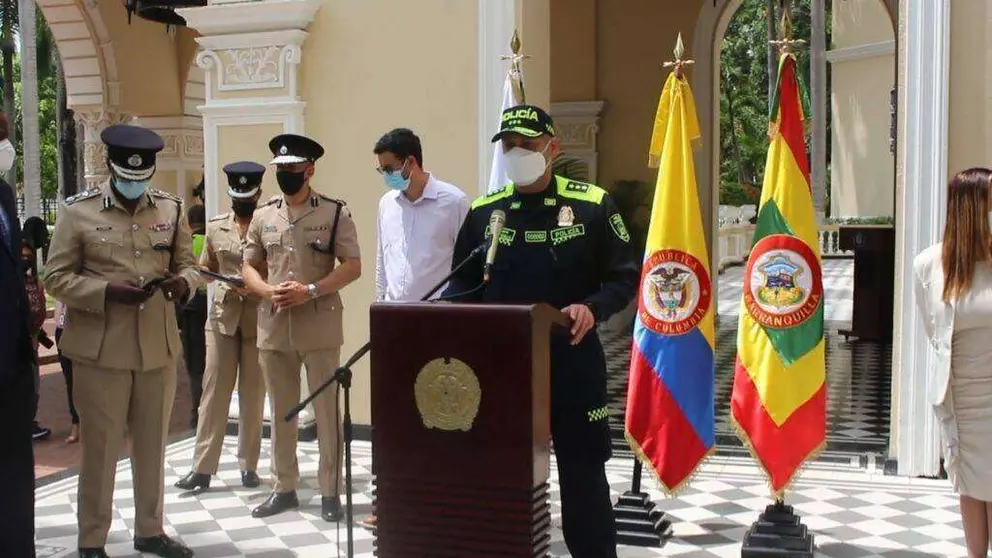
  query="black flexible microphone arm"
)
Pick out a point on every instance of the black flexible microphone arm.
point(343, 377)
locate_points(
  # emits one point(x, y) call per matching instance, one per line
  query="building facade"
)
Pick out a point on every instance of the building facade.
point(345, 72)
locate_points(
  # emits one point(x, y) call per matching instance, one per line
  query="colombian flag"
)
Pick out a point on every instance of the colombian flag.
point(779, 397)
point(670, 422)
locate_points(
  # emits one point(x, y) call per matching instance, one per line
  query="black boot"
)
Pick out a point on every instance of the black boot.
point(92, 553)
point(330, 508)
point(249, 479)
point(162, 546)
point(194, 481)
point(277, 502)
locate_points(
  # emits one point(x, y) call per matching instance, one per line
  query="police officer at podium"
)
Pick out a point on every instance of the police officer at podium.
point(565, 244)
point(295, 243)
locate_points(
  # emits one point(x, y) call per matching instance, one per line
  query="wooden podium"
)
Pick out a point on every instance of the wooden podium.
point(874, 281)
point(460, 429)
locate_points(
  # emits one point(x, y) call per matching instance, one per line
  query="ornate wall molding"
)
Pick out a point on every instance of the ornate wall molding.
point(252, 67)
point(94, 151)
point(577, 126)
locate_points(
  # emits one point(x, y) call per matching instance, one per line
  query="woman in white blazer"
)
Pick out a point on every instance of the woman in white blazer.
point(953, 285)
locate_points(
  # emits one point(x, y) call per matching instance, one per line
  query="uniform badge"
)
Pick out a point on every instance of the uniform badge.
point(134, 160)
point(566, 217)
point(160, 227)
point(283, 150)
point(269, 228)
point(243, 180)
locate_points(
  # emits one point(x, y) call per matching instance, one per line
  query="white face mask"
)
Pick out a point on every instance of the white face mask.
point(525, 167)
point(7, 155)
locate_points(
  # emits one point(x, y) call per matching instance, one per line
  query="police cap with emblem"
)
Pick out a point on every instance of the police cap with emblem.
point(243, 179)
point(526, 120)
point(131, 150)
point(291, 148)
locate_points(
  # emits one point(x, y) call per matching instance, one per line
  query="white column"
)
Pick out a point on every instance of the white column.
point(920, 220)
point(250, 54)
point(577, 124)
point(497, 21)
point(818, 79)
point(94, 121)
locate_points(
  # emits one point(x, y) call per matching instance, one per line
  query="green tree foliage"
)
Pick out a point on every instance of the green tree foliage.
point(744, 97)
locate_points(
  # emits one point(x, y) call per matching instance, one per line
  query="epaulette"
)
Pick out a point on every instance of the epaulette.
point(330, 199)
point(162, 194)
point(272, 200)
point(221, 217)
point(84, 195)
point(494, 197)
point(573, 189)
point(315, 200)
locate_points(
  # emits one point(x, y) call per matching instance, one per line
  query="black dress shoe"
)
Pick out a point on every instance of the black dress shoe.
point(194, 481)
point(330, 509)
point(92, 553)
point(162, 546)
point(249, 479)
point(277, 502)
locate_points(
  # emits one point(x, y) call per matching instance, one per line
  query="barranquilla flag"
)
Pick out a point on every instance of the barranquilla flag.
point(670, 419)
point(779, 396)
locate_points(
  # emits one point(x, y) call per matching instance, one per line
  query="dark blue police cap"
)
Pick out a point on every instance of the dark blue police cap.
point(243, 178)
point(292, 148)
point(131, 150)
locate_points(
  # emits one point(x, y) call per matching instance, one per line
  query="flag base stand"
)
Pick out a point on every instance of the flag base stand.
point(778, 533)
point(639, 521)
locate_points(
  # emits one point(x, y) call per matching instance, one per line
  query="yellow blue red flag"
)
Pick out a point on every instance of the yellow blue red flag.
point(779, 396)
point(670, 416)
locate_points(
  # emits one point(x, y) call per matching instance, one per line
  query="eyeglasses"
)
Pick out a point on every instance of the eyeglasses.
point(384, 170)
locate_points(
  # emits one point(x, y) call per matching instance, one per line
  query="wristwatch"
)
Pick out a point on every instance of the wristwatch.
point(312, 291)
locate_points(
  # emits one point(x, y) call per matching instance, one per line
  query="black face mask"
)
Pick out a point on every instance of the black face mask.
point(290, 182)
point(244, 208)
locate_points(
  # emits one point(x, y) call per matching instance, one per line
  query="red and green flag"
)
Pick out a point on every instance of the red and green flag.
point(779, 396)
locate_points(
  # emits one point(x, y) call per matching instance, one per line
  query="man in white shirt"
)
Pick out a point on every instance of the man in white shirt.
point(418, 222)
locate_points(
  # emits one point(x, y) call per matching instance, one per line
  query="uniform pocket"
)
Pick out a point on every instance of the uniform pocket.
point(101, 245)
point(160, 243)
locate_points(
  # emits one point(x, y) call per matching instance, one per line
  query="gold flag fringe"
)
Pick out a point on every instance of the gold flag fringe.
point(776, 494)
point(671, 492)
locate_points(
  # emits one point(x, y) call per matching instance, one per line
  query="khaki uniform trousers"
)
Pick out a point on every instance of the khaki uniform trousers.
point(282, 379)
point(111, 403)
point(230, 358)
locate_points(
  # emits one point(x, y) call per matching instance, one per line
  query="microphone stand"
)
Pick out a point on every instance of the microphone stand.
point(343, 377)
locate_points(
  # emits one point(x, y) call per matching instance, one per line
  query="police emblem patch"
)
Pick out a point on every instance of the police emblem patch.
point(447, 393)
point(675, 293)
point(566, 217)
point(783, 283)
point(283, 150)
point(134, 160)
point(619, 228)
point(243, 180)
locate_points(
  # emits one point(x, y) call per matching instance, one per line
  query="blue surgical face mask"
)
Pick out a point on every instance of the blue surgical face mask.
point(394, 179)
point(130, 189)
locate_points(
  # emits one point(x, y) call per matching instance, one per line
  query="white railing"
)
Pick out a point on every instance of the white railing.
point(737, 233)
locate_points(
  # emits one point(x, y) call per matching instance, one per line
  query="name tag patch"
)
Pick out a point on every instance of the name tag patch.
point(269, 228)
point(536, 237)
point(160, 227)
point(506, 236)
point(559, 236)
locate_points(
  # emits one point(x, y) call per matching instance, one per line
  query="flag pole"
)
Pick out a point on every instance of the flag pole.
point(639, 521)
point(779, 531)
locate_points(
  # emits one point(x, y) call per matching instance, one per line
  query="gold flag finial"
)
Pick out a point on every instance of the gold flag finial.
point(515, 43)
point(680, 62)
point(786, 44)
point(516, 73)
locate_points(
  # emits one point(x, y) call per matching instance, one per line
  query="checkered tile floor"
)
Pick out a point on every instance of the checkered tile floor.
point(858, 373)
point(853, 512)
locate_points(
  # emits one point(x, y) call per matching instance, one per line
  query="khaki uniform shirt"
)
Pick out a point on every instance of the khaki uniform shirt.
point(224, 248)
point(285, 244)
point(96, 242)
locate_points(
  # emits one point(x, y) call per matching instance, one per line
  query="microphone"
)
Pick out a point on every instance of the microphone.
point(496, 222)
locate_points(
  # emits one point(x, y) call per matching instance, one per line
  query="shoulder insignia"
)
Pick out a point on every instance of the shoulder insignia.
point(221, 217)
point(273, 200)
point(84, 195)
point(494, 197)
point(330, 199)
point(573, 189)
point(162, 194)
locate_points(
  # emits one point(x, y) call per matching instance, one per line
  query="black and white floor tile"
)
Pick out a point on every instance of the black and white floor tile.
point(852, 512)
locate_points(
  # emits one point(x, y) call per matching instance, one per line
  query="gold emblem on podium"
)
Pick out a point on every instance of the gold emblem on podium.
point(448, 394)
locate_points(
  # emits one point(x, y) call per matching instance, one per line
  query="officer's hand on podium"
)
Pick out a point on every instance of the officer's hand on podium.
point(582, 321)
point(127, 294)
point(289, 293)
